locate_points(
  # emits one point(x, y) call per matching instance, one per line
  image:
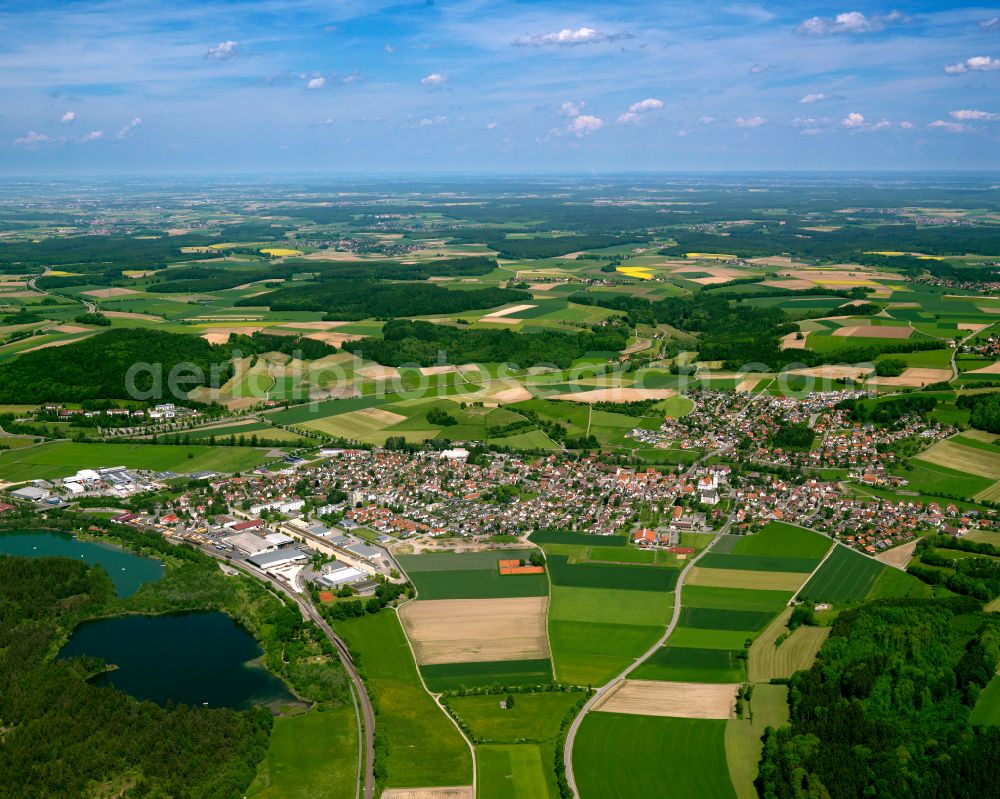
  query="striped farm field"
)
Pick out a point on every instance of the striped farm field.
point(991, 494)
point(965, 459)
point(452, 676)
point(795, 653)
point(846, 576)
point(621, 756)
point(692, 664)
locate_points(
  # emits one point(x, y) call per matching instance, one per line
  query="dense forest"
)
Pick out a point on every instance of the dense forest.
point(421, 343)
point(97, 367)
point(361, 299)
point(884, 711)
point(984, 410)
point(64, 737)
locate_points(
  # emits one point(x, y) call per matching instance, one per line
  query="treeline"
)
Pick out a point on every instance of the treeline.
point(471, 266)
point(65, 737)
point(418, 342)
point(362, 299)
point(552, 246)
point(978, 577)
point(118, 252)
point(258, 342)
point(984, 410)
point(884, 711)
point(97, 367)
point(890, 410)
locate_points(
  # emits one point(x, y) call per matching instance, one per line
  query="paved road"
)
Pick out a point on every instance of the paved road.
point(600, 692)
point(361, 695)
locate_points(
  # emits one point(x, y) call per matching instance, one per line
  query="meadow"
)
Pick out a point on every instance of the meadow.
point(618, 756)
point(470, 576)
point(64, 458)
point(310, 756)
point(423, 747)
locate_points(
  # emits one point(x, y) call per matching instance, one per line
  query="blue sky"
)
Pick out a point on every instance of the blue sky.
point(91, 86)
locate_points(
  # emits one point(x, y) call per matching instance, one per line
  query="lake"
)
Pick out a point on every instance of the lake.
point(127, 570)
point(189, 658)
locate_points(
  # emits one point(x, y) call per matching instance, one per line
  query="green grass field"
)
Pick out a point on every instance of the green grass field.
point(846, 576)
point(768, 708)
point(987, 709)
point(470, 576)
point(607, 575)
point(63, 458)
point(896, 584)
point(450, 676)
point(424, 747)
point(783, 540)
point(312, 756)
point(534, 717)
point(766, 563)
point(516, 771)
point(692, 664)
point(619, 756)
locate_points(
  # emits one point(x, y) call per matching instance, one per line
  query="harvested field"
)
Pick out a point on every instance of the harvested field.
point(898, 556)
point(964, 459)
point(476, 630)
point(112, 292)
point(793, 341)
point(314, 325)
point(48, 344)
point(509, 395)
point(428, 371)
point(971, 326)
point(745, 578)
point(791, 283)
point(457, 792)
point(220, 335)
point(680, 700)
point(617, 395)
point(777, 260)
point(992, 369)
point(796, 652)
point(832, 372)
point(334, 339)
point(914, 376)
point(747, 384)
point(506, 312)
point(874, 331)
point(375, 371)
point(72, 329)
point(543, 286)
point(382, 417)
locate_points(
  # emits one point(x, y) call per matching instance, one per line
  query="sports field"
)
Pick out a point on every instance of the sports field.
point(64, 458)
point(312, 756)
point(846, 576)
point(423, 747)
point(618, 756)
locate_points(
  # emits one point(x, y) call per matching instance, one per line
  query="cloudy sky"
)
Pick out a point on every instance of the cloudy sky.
point(188, 86)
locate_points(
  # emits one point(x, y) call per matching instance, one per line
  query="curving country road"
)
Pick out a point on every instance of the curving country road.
point(366, 777)
point(675, 617)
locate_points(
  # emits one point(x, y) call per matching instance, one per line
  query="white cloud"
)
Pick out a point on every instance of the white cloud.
point(853, 120)
point(31, 138)
point(430, 122)
point(906, 125)
point(757, 69)
point(94, 135)
point(975, 116)
point(492, 125)
point(812, 98)
point(316, 83)
point(636, 110)
point(69, 116)
point(434, 79)
point(882, 124)
point(127, 129)
point(706, 120)
point(991, 24)
point(584, 124)
point(950, 127)
point(567, 37)
point(850, 22)
point(570, 109)
point(224, 50)
point(750, 122)
point(750, 11)
point(978, 63)
point(389, 49)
